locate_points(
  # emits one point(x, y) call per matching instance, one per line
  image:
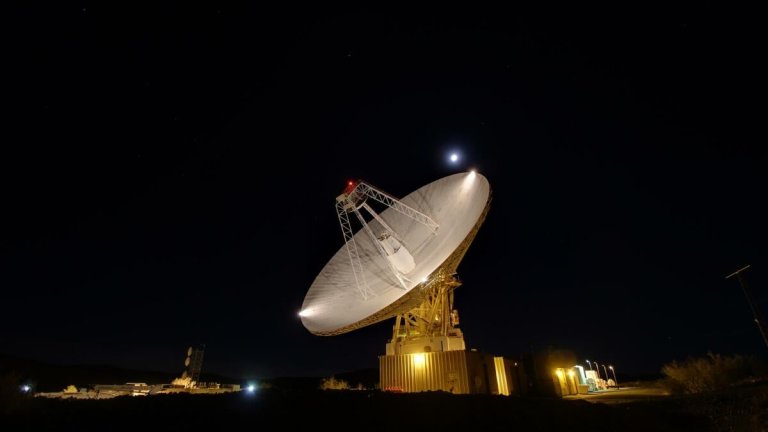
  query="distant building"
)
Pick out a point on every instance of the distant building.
point(554, 372)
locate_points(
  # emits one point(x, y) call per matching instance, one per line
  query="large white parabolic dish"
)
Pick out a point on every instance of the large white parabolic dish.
point(333, 303)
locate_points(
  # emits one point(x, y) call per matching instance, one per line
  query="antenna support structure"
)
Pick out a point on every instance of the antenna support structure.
point(431, 324)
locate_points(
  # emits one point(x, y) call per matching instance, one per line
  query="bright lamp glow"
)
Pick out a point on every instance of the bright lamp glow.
point(25, 388)
point(251, 388)
point(304, 313)
point(454, 157)
point(419, 359)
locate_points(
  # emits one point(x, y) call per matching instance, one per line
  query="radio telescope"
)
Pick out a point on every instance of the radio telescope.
point(401, 262)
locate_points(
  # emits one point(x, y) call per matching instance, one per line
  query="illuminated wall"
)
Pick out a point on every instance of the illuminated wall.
point(502, 377)
point(409, 373)
point(460, 372)
point(566, 381)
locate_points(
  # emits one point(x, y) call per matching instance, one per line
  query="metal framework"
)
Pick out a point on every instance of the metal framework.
point(354, 256)
point(435, 315)
point(351, 202)
point(364, 189)
point(400, 278)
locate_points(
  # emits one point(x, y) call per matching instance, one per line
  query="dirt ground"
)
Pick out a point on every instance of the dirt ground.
point(342, 410)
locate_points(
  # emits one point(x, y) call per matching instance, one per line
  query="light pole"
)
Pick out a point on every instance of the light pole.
point(755, 313)
point(590, 365)
point(614, 376)
point(597, 367)
point(606, 375)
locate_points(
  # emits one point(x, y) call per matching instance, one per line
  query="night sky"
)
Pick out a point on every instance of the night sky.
point(168, 177)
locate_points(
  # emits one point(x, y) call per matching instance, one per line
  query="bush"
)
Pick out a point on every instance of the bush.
point(334, 384)
point(711, 373)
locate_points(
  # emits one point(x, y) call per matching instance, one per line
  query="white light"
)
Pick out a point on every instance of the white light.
point(454, 157)
point(304, 313)
point(419, 359)
point(251, 388)
point(424, 279)
point(25, 388)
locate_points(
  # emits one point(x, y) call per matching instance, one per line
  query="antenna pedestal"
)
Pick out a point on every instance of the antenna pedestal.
point(433, 325)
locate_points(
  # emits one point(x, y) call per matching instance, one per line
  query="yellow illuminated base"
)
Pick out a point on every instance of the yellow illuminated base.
point(459, 372)
point(427, 344)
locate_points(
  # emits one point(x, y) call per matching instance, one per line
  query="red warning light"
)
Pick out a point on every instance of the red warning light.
point(351, 184)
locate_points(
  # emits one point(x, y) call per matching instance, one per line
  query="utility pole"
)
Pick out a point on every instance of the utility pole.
point(755, 312)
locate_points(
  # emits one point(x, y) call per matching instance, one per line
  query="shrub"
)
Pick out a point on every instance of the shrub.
point(711, 373)
point(333, 384)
